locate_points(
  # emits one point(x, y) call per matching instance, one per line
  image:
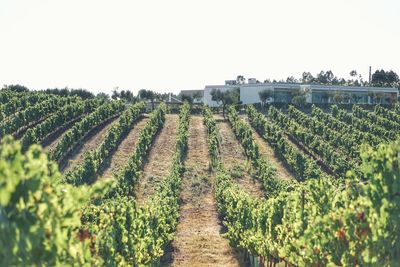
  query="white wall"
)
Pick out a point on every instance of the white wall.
point(249, 94)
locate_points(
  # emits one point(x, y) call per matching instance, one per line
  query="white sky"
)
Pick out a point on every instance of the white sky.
point(184, 44)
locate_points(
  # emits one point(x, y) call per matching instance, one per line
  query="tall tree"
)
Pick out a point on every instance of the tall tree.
point(299, 97)
point(240, 79)
point(103, 96)
point(353, 73)
point(385, 78)
point(291, 79)
point(325, 77)
point(226, 98)
point(187, 98)
point(197, 96)
point(115, 94)
point(148, 95)
point(16, 88)
point(307, 77)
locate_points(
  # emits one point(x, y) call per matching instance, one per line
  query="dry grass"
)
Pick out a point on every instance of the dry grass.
point(159, 161)
point(198, 241)
point(235, 162)
point(125, 149)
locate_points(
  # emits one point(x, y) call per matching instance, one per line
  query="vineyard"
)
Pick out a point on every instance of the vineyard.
point(94, 182)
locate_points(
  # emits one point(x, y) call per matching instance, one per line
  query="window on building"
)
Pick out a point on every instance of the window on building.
point(282, 97)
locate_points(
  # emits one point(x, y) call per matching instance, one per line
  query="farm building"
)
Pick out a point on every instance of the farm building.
point(315, 93)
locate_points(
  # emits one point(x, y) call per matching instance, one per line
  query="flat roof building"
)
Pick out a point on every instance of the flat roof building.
point(315, 93)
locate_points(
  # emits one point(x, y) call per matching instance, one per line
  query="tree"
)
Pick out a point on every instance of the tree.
point(299, 97)
point(149, 95)
point(325, 77)
point(128, 96)
point(353, 73)
point(307, 77)
point(103, 96)
point(115, 94)
point(385, 78)
point(16, 88)
point(265, 95)
point(336, 97)
point(240, 79)
point(82, 93)
point(291, 79)
point(226, 98)
point(187, 98)
point(197, 96)
point(357, 81)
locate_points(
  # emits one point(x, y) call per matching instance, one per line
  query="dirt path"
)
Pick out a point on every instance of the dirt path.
point(198, 241)
point(91, 142)
point(120, 157)
point(267, 151)
point(159, 161)
point(235, 162)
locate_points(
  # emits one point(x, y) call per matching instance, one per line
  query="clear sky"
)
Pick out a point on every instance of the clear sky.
point(186, 44)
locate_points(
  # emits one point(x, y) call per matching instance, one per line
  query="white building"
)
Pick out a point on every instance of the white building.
point(315, 93)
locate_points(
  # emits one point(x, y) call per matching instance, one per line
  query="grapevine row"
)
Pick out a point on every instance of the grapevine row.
point(339, 126)
point(265, 171)
point(336, 162)
point(387, 114)
point(301, 165)
point(345, 142)
point(141, 233)
point(33, 114)
point(80, 129)
point(8, 95)
point(39, 218)
point(317, 223)
point(389, 125)
point(127, 177)
point(361, 125)
point(21, 102)
point(86, 172)
point(120, 200)
point(57, 120)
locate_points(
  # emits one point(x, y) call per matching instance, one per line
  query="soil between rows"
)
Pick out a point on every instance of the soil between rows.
point(198, 241)
point(126, 148)
point(269, 154)
point(235, 162)
point(158, 164)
